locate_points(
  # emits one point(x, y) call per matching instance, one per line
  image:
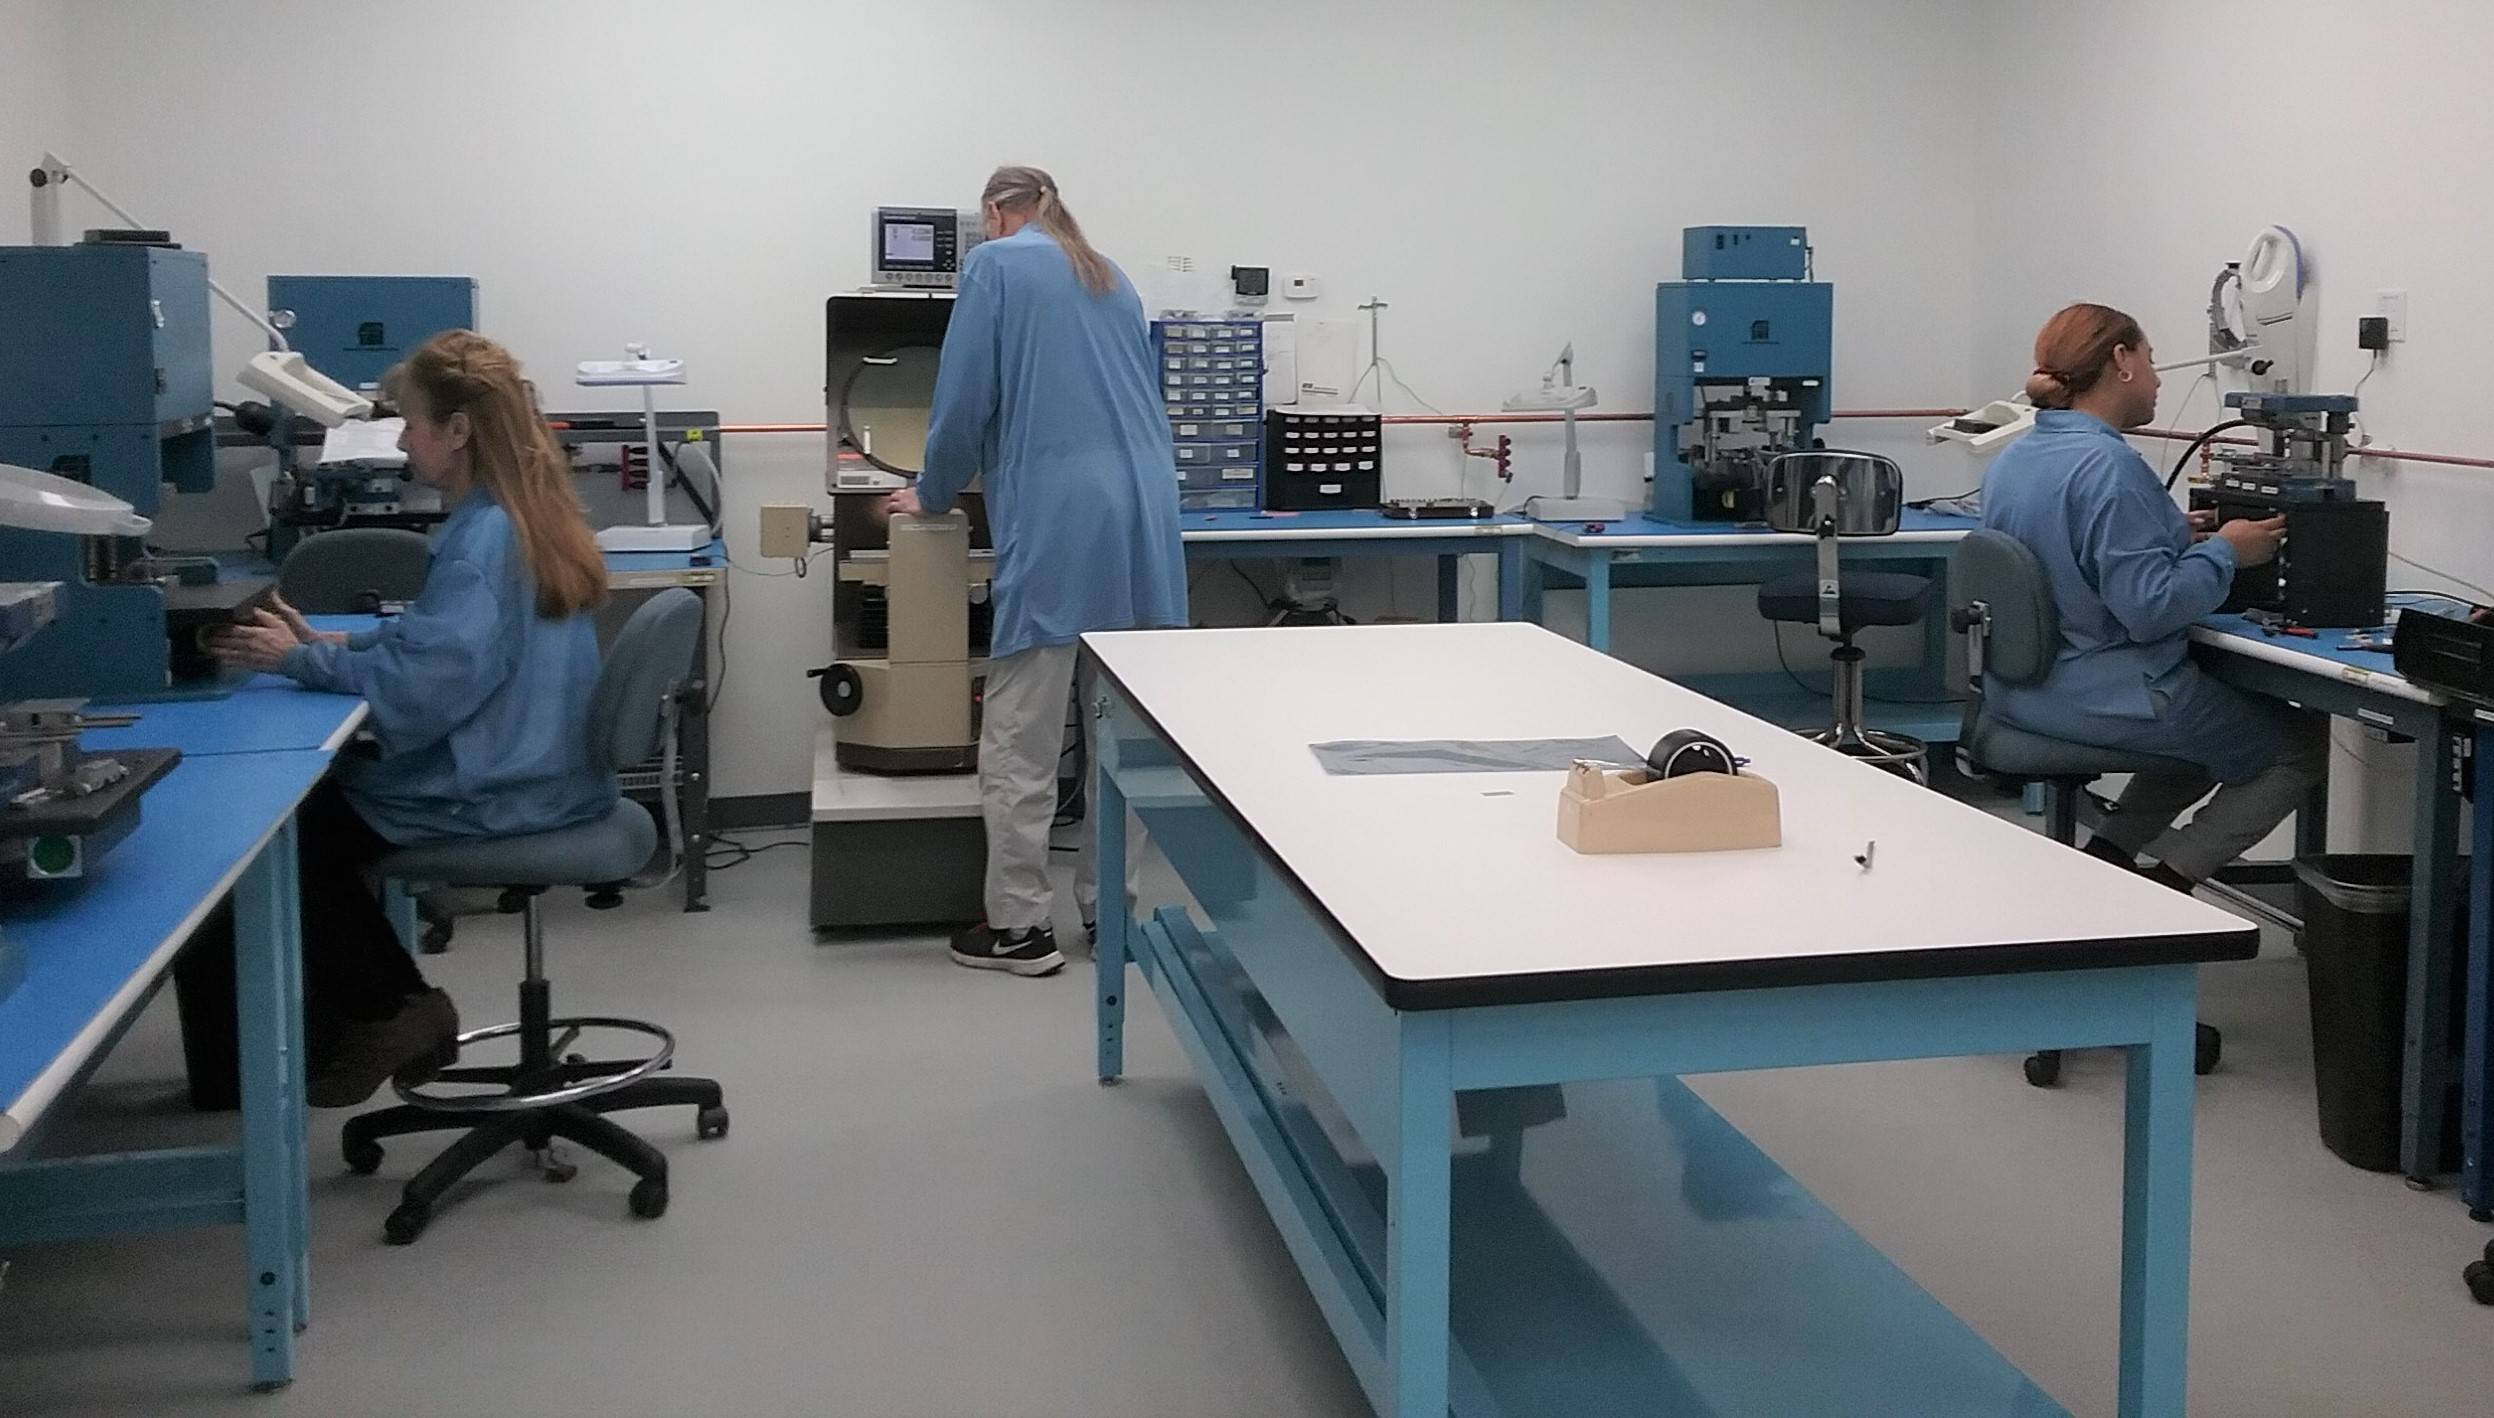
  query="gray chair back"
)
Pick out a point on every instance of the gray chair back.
point(650, 657)
point(2022, 630)
point(351, 570)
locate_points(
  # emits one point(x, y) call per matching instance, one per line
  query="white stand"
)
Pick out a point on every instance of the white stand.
point(658, 534)
point(1561, 394)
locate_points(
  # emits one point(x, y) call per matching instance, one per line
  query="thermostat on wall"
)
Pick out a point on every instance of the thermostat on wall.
point(1302, 287)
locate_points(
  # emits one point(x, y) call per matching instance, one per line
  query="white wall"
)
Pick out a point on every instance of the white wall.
point(2135, 146)
point(34, 99)
point(1510, 177)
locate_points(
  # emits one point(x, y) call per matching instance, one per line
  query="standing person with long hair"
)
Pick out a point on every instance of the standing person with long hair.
point(2130, 574)
point(1048, 392)
point(480, 700)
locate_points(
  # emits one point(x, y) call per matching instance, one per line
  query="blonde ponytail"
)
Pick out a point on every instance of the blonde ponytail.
point(1029, 190)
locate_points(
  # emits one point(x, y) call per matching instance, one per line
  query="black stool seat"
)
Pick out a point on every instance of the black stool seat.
point(1866, 598)
point(2007, 751)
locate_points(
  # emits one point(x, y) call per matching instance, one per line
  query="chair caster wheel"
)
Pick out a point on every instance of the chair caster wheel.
point(2043, 1070)
point(649, 1198)
point(407, 1222)
point(2489, 1253)
point(436, 939)
point(2481, 1214)
point(558, 1171)
point(2207, 1046)
point(2480, 1280)
point(2420, 1184)
point(710, 1123)
point(362, 1158)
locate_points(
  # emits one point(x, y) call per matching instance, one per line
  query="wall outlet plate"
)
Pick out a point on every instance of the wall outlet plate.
point(2392, 305)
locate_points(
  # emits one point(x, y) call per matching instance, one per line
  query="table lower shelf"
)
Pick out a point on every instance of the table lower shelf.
point(1618, 1246)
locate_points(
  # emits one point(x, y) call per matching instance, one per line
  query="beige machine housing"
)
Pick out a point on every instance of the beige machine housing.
point(914, 707)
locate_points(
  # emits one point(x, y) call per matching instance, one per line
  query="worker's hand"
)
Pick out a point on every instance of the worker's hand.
point(904, 503)
point(302, 629)
point(2203, 523)
point(2254, 543)
point(260, 645)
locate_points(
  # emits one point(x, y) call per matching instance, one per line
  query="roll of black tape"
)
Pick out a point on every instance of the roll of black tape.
point(1690, 751)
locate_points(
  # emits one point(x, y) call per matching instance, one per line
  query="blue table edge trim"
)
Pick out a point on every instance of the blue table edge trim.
point(16, 1118)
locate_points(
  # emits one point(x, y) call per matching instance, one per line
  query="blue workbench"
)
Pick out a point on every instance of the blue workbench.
point(1460, 1102)
point(2326, 676)
point(1251, 536)
point(95, 950)
point(1643, 551)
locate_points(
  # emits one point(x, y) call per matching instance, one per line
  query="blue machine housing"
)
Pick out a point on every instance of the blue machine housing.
point(104, 377)
point(1745, 253)
point(1716, 335)
point(353, 328)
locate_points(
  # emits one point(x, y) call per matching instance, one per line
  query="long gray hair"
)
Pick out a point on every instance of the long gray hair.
point(1029, 191)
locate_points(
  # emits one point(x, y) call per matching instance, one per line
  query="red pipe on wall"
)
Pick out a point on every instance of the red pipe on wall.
point(2173, 435)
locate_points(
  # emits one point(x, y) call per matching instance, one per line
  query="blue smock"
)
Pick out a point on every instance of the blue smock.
point(480, 705)
point(1049, 392)
point(2129, 583)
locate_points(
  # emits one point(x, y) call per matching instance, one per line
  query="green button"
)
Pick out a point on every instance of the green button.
point(53, 856)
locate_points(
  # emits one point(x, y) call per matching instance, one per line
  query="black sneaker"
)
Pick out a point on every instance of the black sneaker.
point(1029, 951)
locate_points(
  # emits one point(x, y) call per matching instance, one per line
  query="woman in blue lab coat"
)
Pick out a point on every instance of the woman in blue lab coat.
point(2130, 573)
point(480, 698)
point(1047, 391)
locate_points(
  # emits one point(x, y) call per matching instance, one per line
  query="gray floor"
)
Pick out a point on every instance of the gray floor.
point(928, 1208)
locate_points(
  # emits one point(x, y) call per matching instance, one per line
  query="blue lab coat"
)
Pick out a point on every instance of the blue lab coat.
point(480, 705)
point(2129, 583)
point(1050, 393)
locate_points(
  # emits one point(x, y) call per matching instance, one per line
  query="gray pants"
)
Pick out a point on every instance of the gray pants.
point(2235, 819)
point(1021, 740)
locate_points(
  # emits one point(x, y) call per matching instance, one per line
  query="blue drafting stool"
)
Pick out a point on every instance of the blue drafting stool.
point(2013, 632)
point(551, 1094)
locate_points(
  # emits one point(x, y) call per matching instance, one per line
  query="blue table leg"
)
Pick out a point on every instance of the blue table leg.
point(1936, 635)
point(298, 1120)
point(268, 1007)
point(1511, 578)
point(1598, 602)
point(1419, 1222)
point(1108, 823)
point(2156, 1208)
point(1450, 589)
point(2476, 1188)
point(1531, 582)
point(2433, 901)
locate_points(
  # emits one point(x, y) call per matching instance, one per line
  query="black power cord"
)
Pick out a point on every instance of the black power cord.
point(2198, 443)
point(728, 851)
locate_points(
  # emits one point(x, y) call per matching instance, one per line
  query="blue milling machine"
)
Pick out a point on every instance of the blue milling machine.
point(1742, 347)
point(105, 379)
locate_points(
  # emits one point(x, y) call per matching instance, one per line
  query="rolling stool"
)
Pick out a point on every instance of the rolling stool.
point(1833, 496)
point(549, 1093)
point(2012, 633)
